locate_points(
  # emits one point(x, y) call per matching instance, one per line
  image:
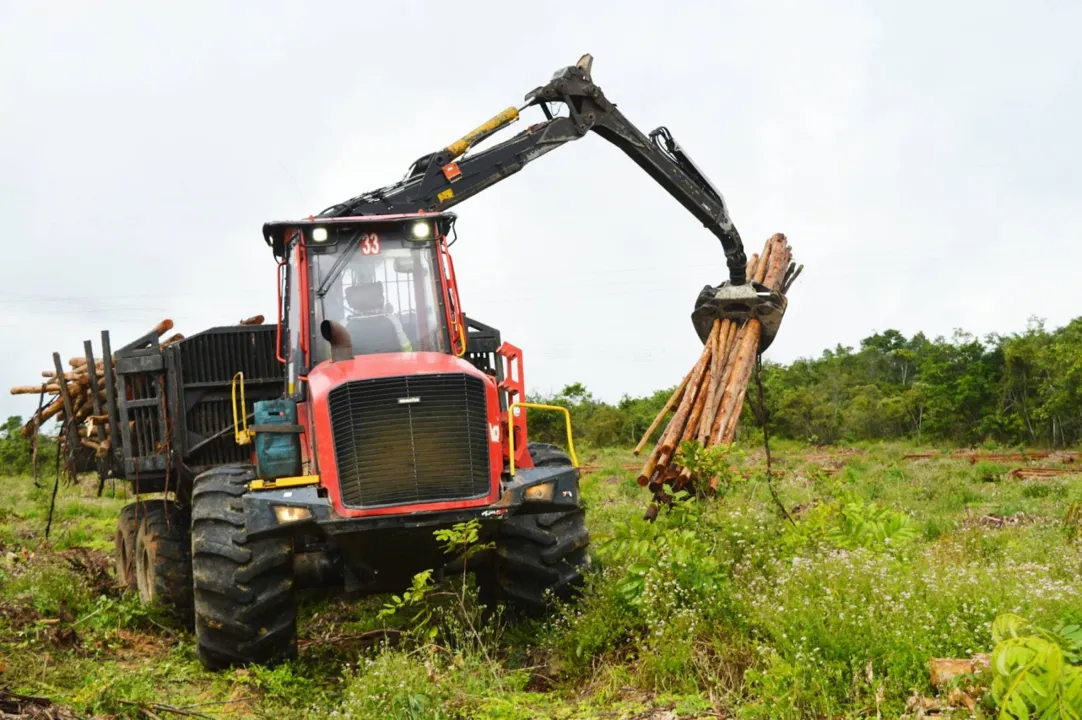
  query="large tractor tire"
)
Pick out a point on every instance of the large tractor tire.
point(245, 611)
point(127, 526)
point(540, 556)
point(163, 562)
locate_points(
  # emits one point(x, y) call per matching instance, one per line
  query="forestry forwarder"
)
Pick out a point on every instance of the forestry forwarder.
point(379, 411)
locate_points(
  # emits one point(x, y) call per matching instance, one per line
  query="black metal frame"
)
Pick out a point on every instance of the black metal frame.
point(482, 342)
point(179, 398)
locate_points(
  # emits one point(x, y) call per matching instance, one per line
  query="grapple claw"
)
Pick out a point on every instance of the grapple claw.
point(739, 303)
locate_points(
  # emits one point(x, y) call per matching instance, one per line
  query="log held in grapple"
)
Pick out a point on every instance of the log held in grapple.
point(706, 405)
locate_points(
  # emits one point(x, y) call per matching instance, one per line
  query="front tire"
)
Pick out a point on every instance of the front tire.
point(245, 611)
point(541, 556)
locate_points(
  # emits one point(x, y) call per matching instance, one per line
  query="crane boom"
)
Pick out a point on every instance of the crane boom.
point(444, 178)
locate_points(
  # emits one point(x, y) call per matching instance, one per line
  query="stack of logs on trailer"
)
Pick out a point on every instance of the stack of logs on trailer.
point(76, 397)
point(708, 403)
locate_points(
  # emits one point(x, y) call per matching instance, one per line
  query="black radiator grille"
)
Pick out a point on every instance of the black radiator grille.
point(414, 439)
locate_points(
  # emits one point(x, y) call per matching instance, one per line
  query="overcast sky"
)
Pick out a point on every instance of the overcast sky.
point(922, 158)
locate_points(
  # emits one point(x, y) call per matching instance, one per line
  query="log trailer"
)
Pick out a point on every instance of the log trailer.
point(325, 449)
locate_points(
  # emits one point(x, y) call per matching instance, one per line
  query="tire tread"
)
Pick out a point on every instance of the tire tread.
point(244, 602)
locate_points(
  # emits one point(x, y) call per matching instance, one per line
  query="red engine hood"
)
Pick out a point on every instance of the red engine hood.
point(328, 375)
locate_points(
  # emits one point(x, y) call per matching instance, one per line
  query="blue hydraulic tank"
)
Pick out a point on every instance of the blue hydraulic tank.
point(277, 440)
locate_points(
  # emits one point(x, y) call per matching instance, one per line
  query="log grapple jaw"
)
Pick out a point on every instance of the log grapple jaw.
point(739, 303)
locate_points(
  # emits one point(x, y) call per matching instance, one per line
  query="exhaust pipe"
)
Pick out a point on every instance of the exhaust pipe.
point(338, 337)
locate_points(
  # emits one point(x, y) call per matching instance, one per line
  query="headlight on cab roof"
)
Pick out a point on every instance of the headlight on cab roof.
point(421, 230)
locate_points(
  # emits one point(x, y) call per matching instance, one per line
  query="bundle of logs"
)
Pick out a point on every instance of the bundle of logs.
point(706, 406)
point(76, 396)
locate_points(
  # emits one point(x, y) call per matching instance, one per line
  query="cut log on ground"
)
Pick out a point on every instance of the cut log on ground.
point(706, 406)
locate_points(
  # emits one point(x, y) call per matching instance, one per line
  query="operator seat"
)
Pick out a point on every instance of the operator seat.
point(371, 332)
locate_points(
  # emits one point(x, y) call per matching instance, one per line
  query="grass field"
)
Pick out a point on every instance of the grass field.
point(719, 609)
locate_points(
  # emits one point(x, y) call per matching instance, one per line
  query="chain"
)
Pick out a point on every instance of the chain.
point(766, 440)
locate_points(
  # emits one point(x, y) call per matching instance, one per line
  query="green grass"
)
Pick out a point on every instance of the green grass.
point(718, 609)
point(80, 518)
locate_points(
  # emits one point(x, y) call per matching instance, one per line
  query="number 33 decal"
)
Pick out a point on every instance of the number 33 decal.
point(370, 244)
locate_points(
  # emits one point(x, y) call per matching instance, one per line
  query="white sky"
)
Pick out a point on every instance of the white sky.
point(922, 158)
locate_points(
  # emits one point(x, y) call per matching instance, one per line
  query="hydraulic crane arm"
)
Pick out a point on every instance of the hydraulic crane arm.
point(444, 178)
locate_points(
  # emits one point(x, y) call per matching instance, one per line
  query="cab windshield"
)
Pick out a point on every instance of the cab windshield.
point(383, 290)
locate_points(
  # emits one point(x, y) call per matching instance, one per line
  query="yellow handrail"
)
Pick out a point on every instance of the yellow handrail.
point(242, 435)
point(537, 406)
point(461, 340)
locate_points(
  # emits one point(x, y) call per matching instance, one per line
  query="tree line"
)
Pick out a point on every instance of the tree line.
point(1021, 388)
point(16, 450)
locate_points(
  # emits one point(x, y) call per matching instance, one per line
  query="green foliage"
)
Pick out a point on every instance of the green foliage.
point(413, 605)
point(669, 553)
point(869, 526)
point(850, 524)
point(1043, 489)
point(395, 686)
point(716, 609)
point(660, 585)
point(1003, 390)
point(52, 588)
point(597, 423)
point(1072, 522)
point(708, 464)
point(462, 539)
point(985, 471)
point(1037, 672)
point(454, 618)
point(15, 450)
point(999, 391)
point(811, 528)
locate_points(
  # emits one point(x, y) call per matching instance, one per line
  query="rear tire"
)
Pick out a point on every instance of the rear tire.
point(245, 611)
point(162, 557)
point(539, 557)
point(127, 525)
point(548, 455)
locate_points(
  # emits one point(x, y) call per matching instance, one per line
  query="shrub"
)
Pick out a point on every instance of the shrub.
point(1072, 522)
point(396, 686)
point(1036, 672)
point(708, 465)
point(850, 524)
point(15, 450)
point(985, 471)
point(1038, 490)
point(872, 527)
point(660, 584)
